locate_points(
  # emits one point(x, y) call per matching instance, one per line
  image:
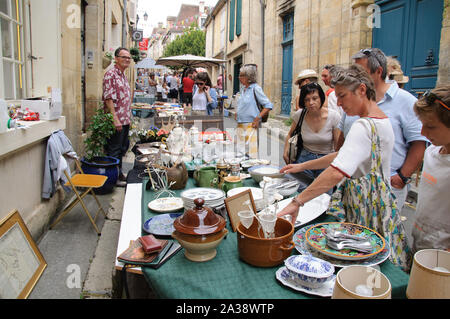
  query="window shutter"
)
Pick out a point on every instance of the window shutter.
point(238, 17)
point(232, 14)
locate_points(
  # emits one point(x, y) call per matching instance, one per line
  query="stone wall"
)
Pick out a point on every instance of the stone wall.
point(444, 54)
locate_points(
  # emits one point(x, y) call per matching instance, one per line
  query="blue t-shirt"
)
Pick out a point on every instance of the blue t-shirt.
point(398, 105)
point(247, 109)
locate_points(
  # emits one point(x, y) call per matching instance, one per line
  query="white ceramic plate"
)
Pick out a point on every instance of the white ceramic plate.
point(208, 194)
point(326, 290)
point(310, 211)
point(166, 204)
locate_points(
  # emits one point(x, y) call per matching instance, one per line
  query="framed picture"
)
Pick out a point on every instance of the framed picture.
point(21, 262)
point(236, 203)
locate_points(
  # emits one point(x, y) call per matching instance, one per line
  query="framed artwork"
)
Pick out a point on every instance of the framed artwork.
point(236, 203)
point(21, 262)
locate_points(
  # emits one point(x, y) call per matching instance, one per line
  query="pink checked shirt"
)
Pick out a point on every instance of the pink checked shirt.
point(116, 88)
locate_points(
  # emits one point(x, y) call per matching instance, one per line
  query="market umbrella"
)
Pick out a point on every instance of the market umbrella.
point(188, 60)
point(147, 63)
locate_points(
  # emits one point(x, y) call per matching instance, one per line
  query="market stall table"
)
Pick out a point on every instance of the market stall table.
point(228, 277)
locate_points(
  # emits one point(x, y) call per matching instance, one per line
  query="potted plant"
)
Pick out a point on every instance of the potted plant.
point(135, 54)
point(95, 160)
point(107, 58)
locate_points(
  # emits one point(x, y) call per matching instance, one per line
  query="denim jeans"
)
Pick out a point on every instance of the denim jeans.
point(305, 156)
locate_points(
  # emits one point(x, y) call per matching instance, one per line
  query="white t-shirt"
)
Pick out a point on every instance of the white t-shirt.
point(332, 104)
point(322, 141)
point(199, 101)
point(432, 226)
point(354, 159)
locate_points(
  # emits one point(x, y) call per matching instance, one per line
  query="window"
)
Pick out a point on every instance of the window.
point(238, 17)
point(232, 12)
point(11, 50)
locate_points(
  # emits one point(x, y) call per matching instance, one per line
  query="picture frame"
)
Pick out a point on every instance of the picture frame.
point(237, 203)
point(21, 262)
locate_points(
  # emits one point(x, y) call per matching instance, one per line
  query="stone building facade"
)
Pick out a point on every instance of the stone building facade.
point(61, 44)
point(306, 34)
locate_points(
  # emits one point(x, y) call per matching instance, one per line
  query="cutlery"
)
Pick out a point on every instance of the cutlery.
point(287, 184)
point(338, 234)
point(360, 246)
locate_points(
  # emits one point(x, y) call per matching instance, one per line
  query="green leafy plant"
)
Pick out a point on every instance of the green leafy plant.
point(135, 54)
point(100, 130)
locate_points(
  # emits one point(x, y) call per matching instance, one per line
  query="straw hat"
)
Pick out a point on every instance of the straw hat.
point(305, 74)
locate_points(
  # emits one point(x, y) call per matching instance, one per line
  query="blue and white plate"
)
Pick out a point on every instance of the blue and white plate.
point(303, 248)
point(161, 225)
point(326, 290)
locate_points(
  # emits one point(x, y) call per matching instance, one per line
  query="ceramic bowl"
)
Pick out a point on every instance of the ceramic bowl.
point(259, 171)
point(200, 248)
point(256, 250)
point(309, 271)
point(352, 282)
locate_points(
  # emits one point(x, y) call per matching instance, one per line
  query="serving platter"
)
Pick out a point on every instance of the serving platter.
point(161, 225)
point(310, 211)
point(326, 290)
point(315, 237)
point(303, 248)
point(166, 204)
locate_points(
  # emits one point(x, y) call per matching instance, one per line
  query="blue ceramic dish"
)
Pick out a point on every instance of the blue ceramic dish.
point(309, 271)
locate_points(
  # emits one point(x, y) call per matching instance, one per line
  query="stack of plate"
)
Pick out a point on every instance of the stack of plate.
point(213, 197)
point(257, 194)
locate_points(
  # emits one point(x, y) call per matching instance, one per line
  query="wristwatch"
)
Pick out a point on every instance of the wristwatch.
point(406, 180)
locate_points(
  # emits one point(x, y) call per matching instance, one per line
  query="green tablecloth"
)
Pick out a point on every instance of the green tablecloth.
point(226, 276)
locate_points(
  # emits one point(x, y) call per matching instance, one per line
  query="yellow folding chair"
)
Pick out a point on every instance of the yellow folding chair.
point(88, 181)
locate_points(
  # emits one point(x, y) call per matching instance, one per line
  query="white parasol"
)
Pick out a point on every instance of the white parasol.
point(188, 60)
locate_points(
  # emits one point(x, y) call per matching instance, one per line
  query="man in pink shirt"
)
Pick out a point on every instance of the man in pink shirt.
point(117, 101)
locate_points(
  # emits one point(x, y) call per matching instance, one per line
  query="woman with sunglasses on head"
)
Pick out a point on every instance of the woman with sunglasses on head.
point(318, 130)
point(432, 225)
point(204, 98)
point(361, 168)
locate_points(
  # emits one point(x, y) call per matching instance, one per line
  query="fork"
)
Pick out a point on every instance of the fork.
point(360, 246)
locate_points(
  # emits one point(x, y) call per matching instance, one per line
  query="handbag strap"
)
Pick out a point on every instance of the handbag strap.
point(298, 129)
point(256, 100)
point(375, 153)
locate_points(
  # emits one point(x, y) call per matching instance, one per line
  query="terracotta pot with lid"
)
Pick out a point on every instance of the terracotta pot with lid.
point(199, 231)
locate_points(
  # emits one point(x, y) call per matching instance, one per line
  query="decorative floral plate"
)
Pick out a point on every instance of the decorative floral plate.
point(161, 225)
point(304, 249)
point(315, 237)
point(326, 290)
point(166, 204)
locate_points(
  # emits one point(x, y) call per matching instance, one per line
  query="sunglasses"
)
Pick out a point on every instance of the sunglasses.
point(369, 52)
point(200, 83)
point(430, 98)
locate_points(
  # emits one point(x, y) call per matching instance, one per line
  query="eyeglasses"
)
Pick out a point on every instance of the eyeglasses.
point(430, 97)
point(124, 57)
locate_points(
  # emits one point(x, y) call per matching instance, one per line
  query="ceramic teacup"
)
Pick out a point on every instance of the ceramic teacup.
point(231, 182)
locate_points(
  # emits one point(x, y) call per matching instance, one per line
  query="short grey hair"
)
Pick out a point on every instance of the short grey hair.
point(250, 72)
point(351, 79)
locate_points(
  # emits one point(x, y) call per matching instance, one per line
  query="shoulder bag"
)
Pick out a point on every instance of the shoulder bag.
point(260, 108)
point(296, 141)
point(369, 201)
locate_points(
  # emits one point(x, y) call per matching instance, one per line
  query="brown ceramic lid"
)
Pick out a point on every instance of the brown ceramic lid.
point(199, 220)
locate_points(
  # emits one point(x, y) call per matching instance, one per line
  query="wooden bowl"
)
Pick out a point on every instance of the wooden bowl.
point(258, 251)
